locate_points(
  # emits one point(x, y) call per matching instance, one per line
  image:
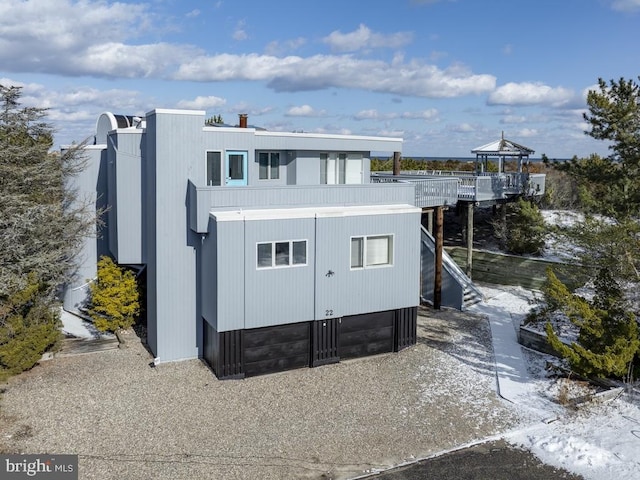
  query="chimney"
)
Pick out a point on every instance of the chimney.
point(243, 120)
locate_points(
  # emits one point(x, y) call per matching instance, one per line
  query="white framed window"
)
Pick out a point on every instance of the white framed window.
point(269, 165)
point(340, 168)
point(371, 251)
point(286, 253)
point(214, 169)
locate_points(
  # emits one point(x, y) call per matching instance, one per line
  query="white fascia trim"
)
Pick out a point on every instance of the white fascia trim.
point(175, 112)
point(333, 136)
point(311, 212)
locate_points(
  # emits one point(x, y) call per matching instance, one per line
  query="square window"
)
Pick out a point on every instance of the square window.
point(268, 165)
point(378, 251)
point(373, 251)
point(265, 255)
point(300, 252)
point(282, 254)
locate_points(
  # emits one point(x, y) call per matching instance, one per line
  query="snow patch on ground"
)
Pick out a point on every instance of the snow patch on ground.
point(596, 441)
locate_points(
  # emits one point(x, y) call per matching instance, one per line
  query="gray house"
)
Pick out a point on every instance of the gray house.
point(260, 251)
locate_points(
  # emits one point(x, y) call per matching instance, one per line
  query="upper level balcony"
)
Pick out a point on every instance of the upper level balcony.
point(448, 187)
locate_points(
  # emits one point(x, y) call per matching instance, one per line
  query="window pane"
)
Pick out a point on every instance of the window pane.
point(275, 165)
point(356, 252)
point(300, 253)
point(378, 250)
point(323, 168)
point(236, 166)
point(282, 253)
point(342, 167)
point(264, 255)
point(213, 169)
point(263, 159)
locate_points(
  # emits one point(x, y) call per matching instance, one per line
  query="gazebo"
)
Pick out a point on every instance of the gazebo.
point(502, 150)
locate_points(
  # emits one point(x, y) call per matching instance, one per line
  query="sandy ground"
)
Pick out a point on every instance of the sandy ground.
point(177, 421)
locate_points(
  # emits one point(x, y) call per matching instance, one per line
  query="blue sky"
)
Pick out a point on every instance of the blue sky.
point(445, 75)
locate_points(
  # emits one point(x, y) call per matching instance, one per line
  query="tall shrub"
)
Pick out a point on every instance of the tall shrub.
point(42, 224)
point(114, 296)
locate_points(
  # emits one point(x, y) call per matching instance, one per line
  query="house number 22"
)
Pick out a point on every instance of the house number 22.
point(328, 313)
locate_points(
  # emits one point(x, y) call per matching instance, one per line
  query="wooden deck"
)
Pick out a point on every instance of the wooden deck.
point(450, 187)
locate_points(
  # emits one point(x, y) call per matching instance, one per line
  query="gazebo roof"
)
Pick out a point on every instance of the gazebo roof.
point(503, 147)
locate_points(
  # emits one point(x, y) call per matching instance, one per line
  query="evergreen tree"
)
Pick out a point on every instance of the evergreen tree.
point(524, 229)
point(608, 339)
point(609, 237)
point(40, 230)
point(114, 300)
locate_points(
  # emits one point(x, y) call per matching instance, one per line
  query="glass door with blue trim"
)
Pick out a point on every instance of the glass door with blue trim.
point(236, 168)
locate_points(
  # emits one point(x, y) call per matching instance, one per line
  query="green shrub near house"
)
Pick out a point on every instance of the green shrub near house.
point(114, 297)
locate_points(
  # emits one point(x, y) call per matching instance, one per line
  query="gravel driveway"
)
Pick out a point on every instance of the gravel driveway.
point(177, 421)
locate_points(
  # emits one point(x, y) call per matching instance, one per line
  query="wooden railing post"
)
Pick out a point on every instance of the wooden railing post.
point(396, 163)
point(437, 284)
point(469, 238)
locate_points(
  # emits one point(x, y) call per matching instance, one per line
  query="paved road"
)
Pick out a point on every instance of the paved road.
point(489, 461)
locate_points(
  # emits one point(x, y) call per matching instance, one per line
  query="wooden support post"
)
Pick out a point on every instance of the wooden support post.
point(396, 163)
point(469, 215)
point(437, 284)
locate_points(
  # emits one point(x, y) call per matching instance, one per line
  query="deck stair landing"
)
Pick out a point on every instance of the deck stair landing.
point(458, 291)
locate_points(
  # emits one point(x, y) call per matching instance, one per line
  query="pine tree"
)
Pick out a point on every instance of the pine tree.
point(114, 296)
point(40, 231)
point(609, 237)
point(525, 228)
point(608, 339)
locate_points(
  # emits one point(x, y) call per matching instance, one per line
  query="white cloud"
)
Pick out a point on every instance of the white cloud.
point(373, 114)
point(507, 49)
point(317, 72)
point(82, 38)
point(202, 103)
point(370, 114)
point(626, 5)
point(511, 119)
point(363, 37)
point(529, 94)
point(240, 33)
point(305, 111)
point(278, 48)
point(193, 13)
point(430, 114)
point(527, 132)
point(462, 128)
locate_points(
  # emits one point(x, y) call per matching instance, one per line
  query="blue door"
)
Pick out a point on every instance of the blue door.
point(235, 168)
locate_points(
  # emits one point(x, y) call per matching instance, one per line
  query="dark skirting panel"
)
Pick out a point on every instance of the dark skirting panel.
point(406, 328)
point(324, 339)
point(223, 351)
point(259, 351)
point(277, 348)
point(366, 334)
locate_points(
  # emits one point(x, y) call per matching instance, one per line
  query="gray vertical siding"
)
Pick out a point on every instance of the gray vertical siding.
point(351, 292)
point(248, 297)
point(278, 295)
point(178, 156)
point(128, 199)
point(202, 199)
point(88, 185)
point(229, 311)
point(149, 238)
